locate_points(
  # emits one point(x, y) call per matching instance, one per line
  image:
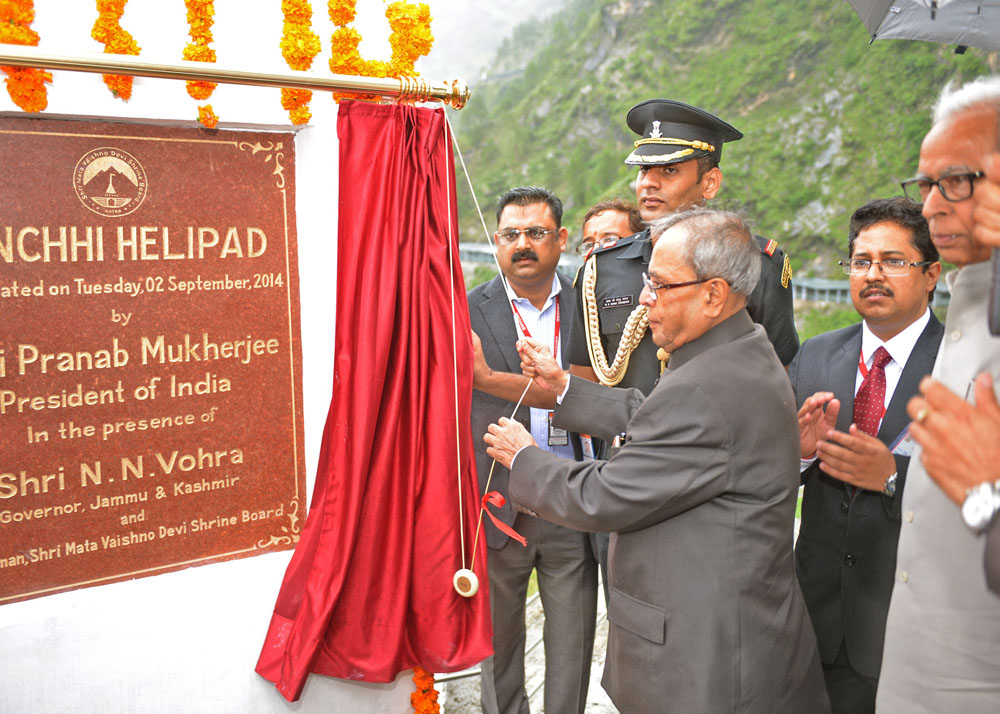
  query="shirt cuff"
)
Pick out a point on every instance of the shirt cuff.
point(562, 395)
point(806, 463)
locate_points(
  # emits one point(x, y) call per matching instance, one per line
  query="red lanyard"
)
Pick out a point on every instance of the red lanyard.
point(524, 327)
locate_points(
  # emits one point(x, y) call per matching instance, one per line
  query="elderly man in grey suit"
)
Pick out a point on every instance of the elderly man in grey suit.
point(535, 301)
point(852, 386)
point(705, 611)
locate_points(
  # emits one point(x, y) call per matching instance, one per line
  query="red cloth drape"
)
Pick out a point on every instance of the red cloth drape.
point(368, 592)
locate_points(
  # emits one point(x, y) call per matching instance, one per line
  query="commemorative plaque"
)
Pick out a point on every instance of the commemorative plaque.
point(150, 390)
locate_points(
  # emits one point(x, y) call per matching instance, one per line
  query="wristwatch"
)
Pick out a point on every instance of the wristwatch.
point(889, 487)
point(981, 504)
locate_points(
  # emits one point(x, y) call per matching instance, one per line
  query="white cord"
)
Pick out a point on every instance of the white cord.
point(503, 278)
point(454, 344)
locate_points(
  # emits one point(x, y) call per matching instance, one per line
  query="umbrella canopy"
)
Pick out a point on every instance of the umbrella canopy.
point(967, 23)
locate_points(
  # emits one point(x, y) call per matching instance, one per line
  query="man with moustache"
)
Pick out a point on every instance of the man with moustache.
point(705, 612)
point(529, 299)
point(851, 386)
point(607, 222)
point(942, 641)
point(678, 157)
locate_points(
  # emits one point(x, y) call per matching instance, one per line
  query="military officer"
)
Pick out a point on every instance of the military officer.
point(678, 158)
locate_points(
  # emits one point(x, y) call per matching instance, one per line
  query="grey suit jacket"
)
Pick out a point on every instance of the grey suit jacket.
point(705, 611)
point(490, 314)
point(845, 556)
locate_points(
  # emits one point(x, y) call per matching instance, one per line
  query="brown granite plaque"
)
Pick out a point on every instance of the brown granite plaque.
point(150, 390)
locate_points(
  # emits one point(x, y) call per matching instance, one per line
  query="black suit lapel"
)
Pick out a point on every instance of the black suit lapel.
point(843, 376)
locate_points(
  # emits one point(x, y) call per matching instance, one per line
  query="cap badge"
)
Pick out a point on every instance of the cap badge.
point(655, 132)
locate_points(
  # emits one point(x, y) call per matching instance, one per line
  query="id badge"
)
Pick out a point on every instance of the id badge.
point(557, 436)
point(903, 444)
point(587, 445)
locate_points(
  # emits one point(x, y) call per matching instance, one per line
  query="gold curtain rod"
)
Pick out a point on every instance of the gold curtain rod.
point(403, 89)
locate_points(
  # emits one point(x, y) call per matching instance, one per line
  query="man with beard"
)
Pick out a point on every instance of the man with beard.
point(529, 299)
point(941, 640)
point(851, 386)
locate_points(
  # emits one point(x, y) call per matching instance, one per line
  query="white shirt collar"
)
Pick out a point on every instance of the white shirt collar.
point(556, 289)
point(899, 346)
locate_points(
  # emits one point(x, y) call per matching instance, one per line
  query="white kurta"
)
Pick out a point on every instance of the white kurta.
point(942, 640)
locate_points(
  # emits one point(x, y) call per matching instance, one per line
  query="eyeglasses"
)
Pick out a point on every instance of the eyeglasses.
point(953, 187)
point(653, 287)
point(892, 267)
point(535, 234)
point(586, 246)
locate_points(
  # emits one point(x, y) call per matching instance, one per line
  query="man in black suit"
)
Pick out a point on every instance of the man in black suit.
point(852, 386)
point(535, 301)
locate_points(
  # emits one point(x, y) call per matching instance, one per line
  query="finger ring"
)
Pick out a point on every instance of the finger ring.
point(923, 413)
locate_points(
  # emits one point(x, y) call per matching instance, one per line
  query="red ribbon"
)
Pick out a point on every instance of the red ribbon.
point(496, 498)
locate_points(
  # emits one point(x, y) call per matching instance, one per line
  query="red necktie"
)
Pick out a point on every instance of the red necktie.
point(869, 402)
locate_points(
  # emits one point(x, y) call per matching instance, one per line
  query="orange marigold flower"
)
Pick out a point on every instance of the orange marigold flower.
point(108, 30)
point(199, 53)
point(424, 700)
point(120, 85)
point(207, 117)
point(411, 38)
point(25, 85)
point(299, 45)
point(199, 17)
point(342, 11)
point(296, 11)
point(16, 12)
point(18, 35)
point(200, 90)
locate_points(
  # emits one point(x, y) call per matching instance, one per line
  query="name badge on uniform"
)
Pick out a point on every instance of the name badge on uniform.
point(620, 301)
point(903, 444)
point(588, 447)
point(557, 436)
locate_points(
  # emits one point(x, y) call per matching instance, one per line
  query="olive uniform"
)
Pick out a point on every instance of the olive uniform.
point(616, 294)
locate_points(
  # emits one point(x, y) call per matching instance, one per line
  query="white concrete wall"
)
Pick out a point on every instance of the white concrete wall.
point(188, 641)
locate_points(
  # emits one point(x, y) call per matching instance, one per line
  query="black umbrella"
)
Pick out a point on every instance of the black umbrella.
point(966, 23)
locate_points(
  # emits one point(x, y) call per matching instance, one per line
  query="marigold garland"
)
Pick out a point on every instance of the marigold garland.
point(25, 85)
point(410, 38)
point(424, 700)
point(200, 17)
point(299, 45)
point(116, 40)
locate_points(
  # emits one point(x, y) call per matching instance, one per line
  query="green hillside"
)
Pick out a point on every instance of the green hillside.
point(829, 119)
